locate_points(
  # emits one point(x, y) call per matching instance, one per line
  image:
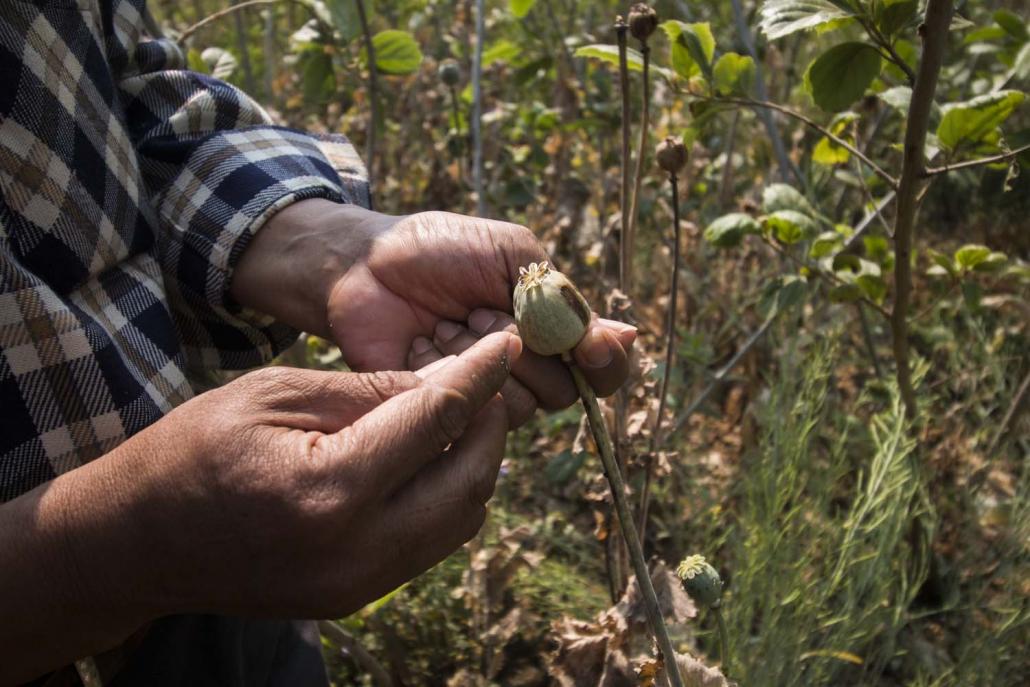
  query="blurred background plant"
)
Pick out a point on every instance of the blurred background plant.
point(859, 542)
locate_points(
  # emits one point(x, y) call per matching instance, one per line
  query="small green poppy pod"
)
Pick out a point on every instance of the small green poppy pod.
point(551, 313)
point(449, 72)
point(701, 581)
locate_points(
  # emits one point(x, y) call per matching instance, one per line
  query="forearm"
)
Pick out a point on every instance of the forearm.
point(293, 260)
point(71, 579)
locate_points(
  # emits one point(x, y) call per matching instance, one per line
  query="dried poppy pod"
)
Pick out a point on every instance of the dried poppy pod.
point(672, 155)
point(643, 21)
point(701, 581)
point(551, 313)
point(449, 72)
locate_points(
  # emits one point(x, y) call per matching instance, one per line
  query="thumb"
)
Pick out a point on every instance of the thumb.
point(392, 442)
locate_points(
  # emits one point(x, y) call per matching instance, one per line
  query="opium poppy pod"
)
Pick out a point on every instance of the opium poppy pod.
point(551, 313)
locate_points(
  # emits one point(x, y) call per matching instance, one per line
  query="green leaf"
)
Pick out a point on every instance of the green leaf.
point(610, 54)
point(1012, 24)
point(345, 19)
point(318, 81)
point(790, 226)
point(397, 52)
point(973, 120)
point(784, 197)
point(521, 8)
point(847, 263)
point(845, 293)
point(781, 18)
point(783, 293)
point(825, 244)
point(943, 262)
point(891, 16)
point(873, 286)
point(729, 230)
point(1021, 65)
point(501, 51)
point(841, 75)
point(994, 262)
point(970, 255)
point(693, 47)
point(828, 153)
point(733, 73)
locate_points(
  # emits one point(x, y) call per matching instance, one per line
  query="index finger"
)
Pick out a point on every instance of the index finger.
point(389, 444)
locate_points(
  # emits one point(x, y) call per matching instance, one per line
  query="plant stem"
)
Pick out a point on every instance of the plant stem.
point(477, 111)
point(724, 641)
point(190, 30)
point(373, 94)
point(638, 173)
point(618, 489)
point(624, 198)
point(976, 163)
point(756, 336)
point(892, 54)
point(935, 39)
point(1014, 406)
point(749, 102)
point(787, 166)
point(670, 357)
point(241, 47)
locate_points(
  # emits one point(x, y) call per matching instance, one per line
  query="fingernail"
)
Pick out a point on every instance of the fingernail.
point(620, 327)
point(513, 352)
point(480, 321)
point(598, 352)
point(447, 330)
point(434, 367)
point(421, 345)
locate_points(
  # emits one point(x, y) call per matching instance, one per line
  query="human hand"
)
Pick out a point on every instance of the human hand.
point(381, 287)
point(297, 493)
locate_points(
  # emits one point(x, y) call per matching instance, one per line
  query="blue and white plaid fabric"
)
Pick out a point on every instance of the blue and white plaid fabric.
point(129, 187)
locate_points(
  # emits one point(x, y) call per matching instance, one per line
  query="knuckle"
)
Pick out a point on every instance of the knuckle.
point(448, 411)
point(381, 386)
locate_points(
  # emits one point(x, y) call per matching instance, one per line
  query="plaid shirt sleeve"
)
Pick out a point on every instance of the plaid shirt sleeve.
point(216, 169)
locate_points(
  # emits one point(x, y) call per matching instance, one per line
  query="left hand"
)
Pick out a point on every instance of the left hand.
point(402, 292)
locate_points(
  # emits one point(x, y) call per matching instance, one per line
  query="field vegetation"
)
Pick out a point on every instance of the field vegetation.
point(829, 401)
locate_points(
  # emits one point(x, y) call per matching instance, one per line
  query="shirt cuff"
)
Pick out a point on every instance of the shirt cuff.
point(231, 184)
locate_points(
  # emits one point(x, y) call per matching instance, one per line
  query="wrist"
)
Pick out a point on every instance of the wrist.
point(74, 580)
point(293, 261)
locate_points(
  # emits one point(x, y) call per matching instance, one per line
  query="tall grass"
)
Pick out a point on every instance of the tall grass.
point(824, 556)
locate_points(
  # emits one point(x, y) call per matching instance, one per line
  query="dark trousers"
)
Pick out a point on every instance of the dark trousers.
point(215, 651)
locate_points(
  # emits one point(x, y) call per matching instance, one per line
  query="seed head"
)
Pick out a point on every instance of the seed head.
point(701, 581)
point(449, 72)
point(672, 155)
point(551, 314)
point(643, 21)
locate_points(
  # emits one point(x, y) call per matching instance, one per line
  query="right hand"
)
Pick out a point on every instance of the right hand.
point(296, 493)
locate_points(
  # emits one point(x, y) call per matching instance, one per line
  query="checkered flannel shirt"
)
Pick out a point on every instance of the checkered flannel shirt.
point(129, 188)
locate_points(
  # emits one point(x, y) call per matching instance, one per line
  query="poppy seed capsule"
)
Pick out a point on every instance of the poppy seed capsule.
point(701, 581)
point(551, 314)
point(643, 21)
point(449, 72)
point(672, 155)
